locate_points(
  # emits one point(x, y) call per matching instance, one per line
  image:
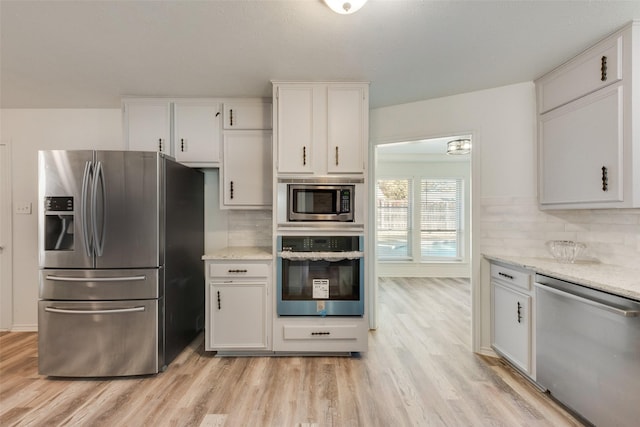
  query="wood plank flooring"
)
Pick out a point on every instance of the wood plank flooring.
point(419, 371)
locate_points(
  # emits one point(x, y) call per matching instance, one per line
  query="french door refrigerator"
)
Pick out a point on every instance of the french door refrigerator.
point(121, 286)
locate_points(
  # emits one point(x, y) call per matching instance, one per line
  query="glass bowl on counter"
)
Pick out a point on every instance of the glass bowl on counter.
point(565, 251)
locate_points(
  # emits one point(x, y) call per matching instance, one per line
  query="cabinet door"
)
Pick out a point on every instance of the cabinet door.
point(247, 169)
point(247, 115)
point(197, 132)
point(600, 66)
point(581, 147)
point(345, 129)
point(295, 129)
point(511, 325)
point(147, 126)
point(238, 316)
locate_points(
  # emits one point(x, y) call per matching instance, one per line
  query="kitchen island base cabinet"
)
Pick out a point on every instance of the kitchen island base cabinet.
point(238, 306)
point(320, 335)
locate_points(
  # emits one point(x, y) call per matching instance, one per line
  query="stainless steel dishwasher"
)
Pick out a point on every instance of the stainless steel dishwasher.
point(588, 351)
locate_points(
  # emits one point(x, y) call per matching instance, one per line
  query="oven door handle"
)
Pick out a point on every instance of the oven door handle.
point(320, 256)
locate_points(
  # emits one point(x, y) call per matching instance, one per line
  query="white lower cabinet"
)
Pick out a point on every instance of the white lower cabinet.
point(238, 306)
point(512, 316)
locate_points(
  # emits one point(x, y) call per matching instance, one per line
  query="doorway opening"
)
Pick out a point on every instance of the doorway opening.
point(421, 217)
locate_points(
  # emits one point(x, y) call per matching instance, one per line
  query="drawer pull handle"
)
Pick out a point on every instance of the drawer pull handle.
point(605, 179)
point(508, 276)
point(320, 333)
point(231, 189)
point(603, 69)
point(231, 117)
point(218, 300)
point(304, 156)
point(519, 312)
point(160, 145)
point(337, 154)
point(237, 271)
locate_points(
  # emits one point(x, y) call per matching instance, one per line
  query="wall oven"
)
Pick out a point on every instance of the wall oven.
point(320, 202)
point(320, 276)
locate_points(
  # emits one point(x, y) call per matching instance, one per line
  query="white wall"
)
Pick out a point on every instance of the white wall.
point(29, 131)
point(502, 123)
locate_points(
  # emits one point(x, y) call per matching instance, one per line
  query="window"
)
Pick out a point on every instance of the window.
point(420, 218)
point(394, 218)
point(441, 218)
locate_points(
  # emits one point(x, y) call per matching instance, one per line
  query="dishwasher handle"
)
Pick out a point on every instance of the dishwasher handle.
point(610, 308)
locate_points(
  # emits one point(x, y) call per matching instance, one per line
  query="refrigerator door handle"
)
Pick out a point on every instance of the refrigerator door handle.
point(113, 311)
point(86, 177)
point(98, 237)
point(95, 279)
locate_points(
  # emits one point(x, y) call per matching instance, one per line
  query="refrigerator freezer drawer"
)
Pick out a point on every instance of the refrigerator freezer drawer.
point(96, 285)
point(98, 339)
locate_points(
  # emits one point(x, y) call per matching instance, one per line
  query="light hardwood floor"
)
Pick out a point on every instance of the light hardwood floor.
point(419, 371)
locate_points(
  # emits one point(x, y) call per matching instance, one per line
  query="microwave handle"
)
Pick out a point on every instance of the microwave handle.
point(338, 201)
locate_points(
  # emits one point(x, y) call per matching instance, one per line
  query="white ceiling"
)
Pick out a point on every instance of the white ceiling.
point(72, 54)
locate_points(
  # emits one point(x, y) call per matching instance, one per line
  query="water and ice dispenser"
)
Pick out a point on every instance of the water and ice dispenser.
point(58, 224)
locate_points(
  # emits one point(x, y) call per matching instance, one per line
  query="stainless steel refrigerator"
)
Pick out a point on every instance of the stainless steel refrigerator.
point(121, 236)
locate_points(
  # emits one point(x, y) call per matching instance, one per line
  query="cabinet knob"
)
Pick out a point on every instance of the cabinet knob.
point(603, 68)
point(605, 179)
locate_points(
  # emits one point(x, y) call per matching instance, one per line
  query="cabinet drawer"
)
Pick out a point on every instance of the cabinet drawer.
point(239, 270)
point(320, 332)
point(518, 278)
point(596, 68)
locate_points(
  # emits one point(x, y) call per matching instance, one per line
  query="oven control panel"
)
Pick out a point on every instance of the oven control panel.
point(320, 243)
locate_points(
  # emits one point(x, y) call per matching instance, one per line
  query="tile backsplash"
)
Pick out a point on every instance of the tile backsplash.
point(249, 228)
point(515, 226)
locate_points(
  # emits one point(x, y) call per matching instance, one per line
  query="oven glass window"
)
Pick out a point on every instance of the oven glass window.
point(315, 201)
point(318, 280)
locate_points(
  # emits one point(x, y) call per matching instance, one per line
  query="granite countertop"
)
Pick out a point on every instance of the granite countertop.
point(614, 279)
point(240, 253)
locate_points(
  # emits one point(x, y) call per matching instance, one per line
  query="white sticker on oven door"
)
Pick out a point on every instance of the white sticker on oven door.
point(320, 288)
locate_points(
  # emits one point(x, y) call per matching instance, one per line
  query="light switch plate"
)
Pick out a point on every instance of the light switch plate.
point(23, 208)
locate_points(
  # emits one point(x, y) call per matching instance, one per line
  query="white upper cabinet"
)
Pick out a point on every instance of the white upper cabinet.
point(321, 128)
point(197, 131)
point(589, 127)
point(346, 116)
point(294, 126)
point(147, 125)
point(247, 115)
point(596, 68)
point(247, 170)
point(188, 130)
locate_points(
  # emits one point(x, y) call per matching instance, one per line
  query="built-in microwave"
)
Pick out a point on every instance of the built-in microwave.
point(320, 201)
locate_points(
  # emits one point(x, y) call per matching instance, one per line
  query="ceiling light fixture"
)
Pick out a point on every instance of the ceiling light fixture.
point(459, 146)
point(345, 7)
